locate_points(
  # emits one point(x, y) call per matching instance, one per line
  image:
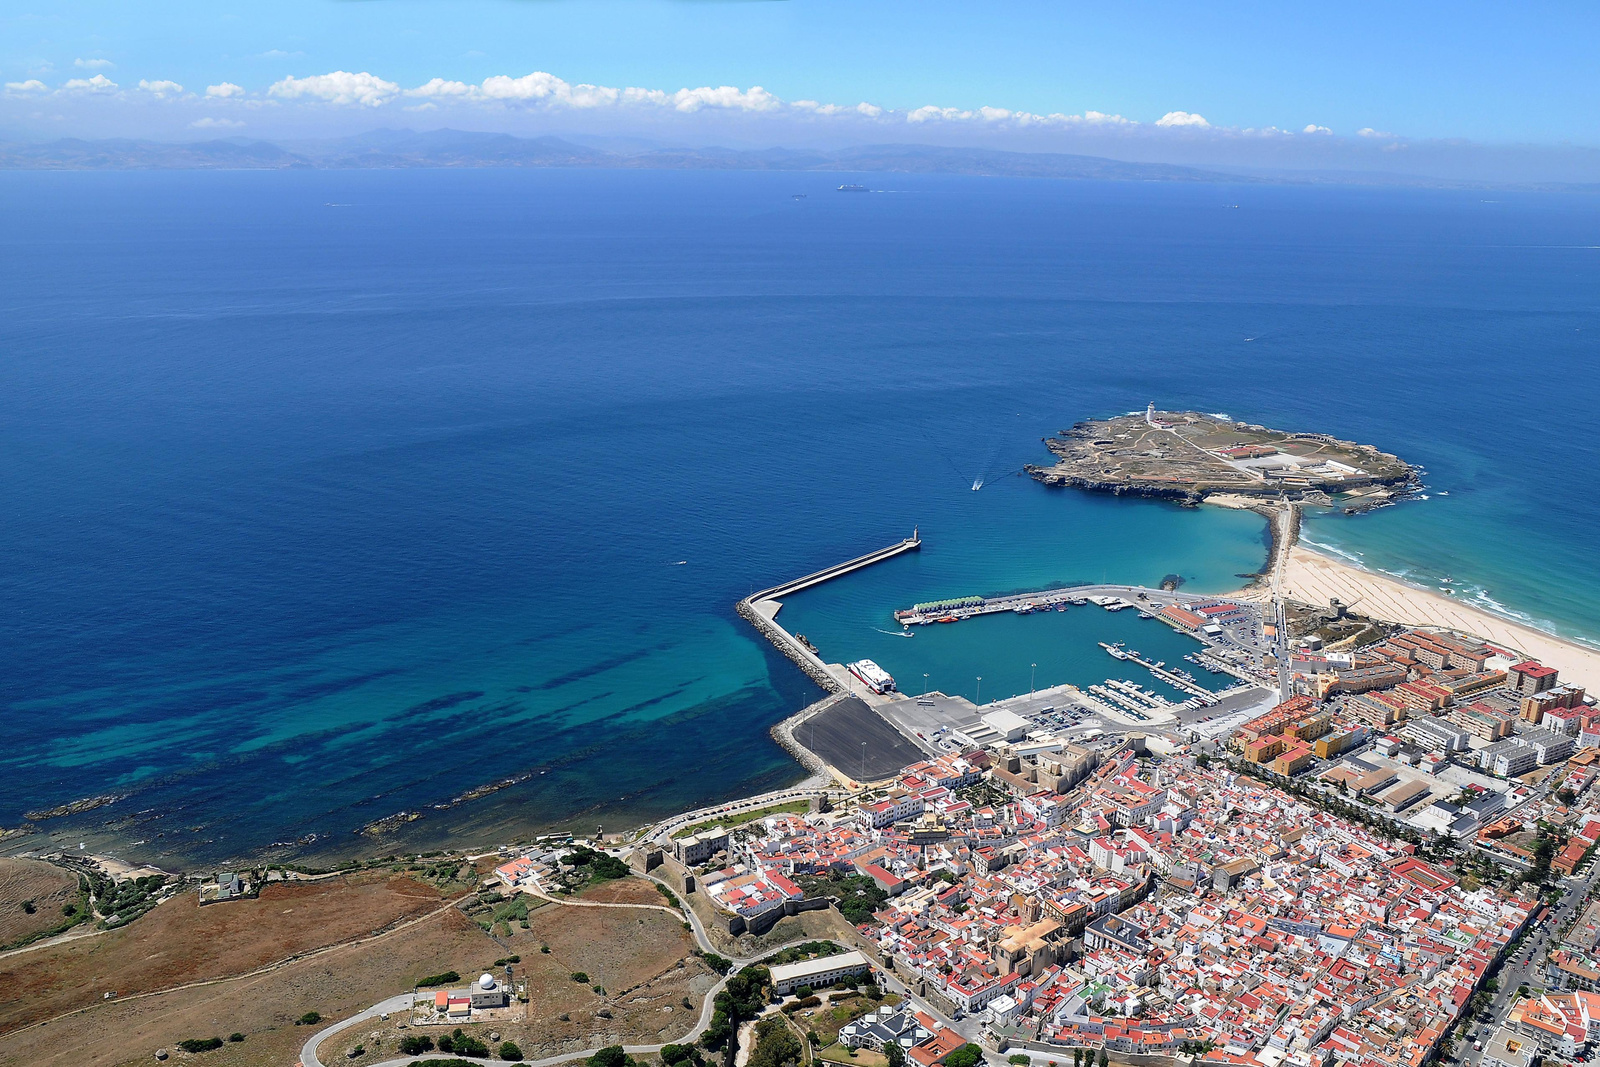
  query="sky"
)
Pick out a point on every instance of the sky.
point(1262, 83)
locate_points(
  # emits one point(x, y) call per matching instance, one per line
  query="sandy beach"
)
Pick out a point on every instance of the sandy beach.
point(1312, 578)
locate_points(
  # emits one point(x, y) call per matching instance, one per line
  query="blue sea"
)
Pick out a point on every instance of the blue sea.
point(330, 495)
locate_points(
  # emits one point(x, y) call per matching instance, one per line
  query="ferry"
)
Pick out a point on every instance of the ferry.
point(872, 676)
point(854, 189)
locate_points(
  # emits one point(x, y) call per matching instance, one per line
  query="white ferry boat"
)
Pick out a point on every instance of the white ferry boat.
point(1115, 651)
point(872, 676)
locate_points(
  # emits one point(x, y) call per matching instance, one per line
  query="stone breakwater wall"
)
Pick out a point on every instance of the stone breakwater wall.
point(784, 734)
point(786, 644)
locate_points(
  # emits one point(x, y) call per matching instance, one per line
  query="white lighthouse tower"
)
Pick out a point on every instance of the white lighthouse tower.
point(1150, 413)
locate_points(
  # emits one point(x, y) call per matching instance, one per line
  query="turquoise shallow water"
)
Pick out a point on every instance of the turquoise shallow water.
point(330, 495)
point(1016, 534)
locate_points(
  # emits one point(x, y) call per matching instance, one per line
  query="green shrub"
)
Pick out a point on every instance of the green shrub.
point(236, 1037)
point(610, 1056)
point(463, 1043)
point(310, 1018)
point(200, 1044)
point(439, 979)
point(415, 1046)
point(510, 1051)
point(580, 977)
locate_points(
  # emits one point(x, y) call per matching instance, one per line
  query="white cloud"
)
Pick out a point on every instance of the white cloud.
point(541, 87)
point(929, 113)
point(541, 90)
point(32, 85)
point(1368, 131)
point(440, 87)
point(726, 97)
point(339, 87)
point(161, 87)
point(871, 111)
point(97, 84)
point(93, 64)
point(212, 123)
point(278, 53)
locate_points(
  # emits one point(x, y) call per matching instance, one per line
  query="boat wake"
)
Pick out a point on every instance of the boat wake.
point(896, 633)
point(977, 484)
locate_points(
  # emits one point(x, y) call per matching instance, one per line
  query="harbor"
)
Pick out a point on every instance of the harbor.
point(933, 716)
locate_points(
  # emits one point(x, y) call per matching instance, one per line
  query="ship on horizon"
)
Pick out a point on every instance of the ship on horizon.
point(854, 189)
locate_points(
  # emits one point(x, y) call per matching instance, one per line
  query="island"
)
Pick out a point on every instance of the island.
point(1194, 457)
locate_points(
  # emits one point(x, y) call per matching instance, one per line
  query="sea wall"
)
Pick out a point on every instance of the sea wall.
point(786, 644)
point(784, 734)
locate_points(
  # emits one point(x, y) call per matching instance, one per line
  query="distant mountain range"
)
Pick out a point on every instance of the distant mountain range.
point(394, 149)
point(456, 148)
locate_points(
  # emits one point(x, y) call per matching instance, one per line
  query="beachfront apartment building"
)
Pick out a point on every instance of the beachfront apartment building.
point(1549, 747)
point(1435, 733)
point(1507, 759)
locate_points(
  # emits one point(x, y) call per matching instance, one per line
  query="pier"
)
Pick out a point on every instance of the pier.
point(760, 609)
point(768, 601)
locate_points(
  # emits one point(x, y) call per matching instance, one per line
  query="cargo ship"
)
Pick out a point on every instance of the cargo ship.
point(872, 676)
point(854, 189)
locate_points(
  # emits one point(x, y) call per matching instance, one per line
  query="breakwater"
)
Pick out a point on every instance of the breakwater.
point(786, 643)
point(784, 733)
point(761, 607)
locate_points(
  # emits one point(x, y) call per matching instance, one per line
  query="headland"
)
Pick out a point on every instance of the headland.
point(1190, 456)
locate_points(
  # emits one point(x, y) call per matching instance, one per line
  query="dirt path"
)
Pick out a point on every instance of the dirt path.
point(257, 972)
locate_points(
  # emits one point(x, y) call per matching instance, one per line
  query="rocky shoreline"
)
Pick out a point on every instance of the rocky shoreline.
point(783, 734)
point(1175, 456)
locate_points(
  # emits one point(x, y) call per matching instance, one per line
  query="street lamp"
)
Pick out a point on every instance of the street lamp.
point(1032, 667)
point(924, 683)
point(979, 701)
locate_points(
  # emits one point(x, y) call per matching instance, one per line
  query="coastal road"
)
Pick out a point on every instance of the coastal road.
point(662, 831)
point(308, 1053)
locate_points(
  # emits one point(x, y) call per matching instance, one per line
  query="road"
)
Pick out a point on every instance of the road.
point(1523, 967)
point(662, 831)
point(308, 1053)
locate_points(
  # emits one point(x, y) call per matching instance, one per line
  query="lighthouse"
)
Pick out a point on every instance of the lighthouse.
point(1150, 413)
